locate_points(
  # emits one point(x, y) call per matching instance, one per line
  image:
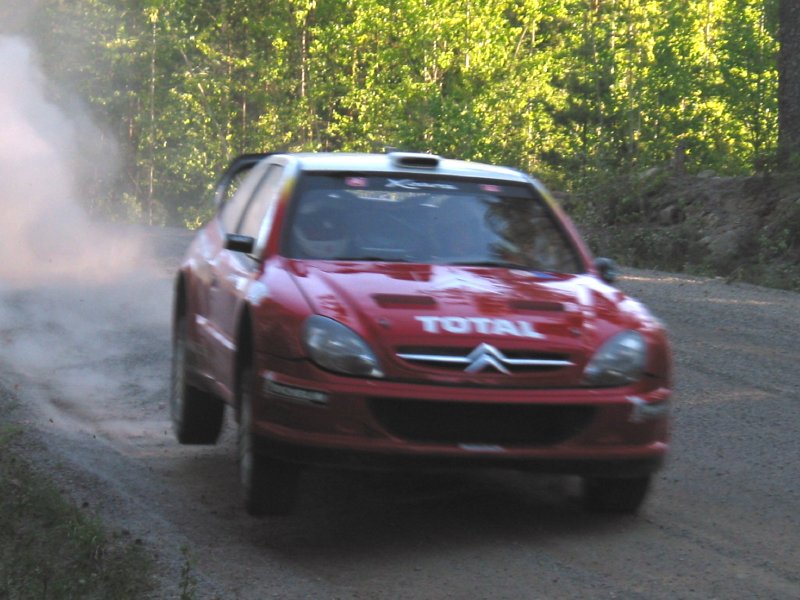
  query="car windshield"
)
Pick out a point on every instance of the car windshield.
point(426, 220)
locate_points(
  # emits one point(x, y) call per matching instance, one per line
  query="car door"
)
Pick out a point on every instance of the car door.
point(232, 196)
point(233, 271)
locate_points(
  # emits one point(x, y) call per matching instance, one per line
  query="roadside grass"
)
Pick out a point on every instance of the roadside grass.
point(51, 549)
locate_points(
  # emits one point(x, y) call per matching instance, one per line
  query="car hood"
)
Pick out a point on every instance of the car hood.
point(403, 309)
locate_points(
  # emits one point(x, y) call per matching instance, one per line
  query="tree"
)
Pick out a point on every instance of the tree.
point(747, 53)
point(789, 82)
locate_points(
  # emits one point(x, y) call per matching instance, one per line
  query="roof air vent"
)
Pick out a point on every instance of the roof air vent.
point(414, 160)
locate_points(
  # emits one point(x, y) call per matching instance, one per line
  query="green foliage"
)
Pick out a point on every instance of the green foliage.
point(781, 239)
point(51, 550)
point(568, 89)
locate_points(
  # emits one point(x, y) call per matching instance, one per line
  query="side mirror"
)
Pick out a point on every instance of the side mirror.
point(240, 243)
point(607, 269)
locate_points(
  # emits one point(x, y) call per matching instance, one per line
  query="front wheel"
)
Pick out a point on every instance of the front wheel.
point(269, 486)
point(197, 416)
point(615, 495)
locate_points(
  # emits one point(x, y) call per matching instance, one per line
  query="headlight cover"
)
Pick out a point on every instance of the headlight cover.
point(621, 360)
point(338, 348)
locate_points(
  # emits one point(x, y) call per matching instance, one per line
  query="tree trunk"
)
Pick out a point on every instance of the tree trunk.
point(789, 84)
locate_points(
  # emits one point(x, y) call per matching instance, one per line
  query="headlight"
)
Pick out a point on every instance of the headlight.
point(338, 348)
point(619, 361)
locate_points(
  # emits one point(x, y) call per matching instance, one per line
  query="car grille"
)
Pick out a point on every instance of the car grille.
point(470, 423)
point(460, 359)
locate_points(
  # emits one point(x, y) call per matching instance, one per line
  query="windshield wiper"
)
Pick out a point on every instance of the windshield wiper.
point(371, 258)
point(491, 263)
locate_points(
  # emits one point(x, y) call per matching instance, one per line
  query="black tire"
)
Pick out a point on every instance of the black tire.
point(615, 495)
point(197, 416)
point(269, 486)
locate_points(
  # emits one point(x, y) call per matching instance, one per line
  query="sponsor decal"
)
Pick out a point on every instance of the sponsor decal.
point(410, 184)
point(358, 182)
point(482, 325)
point(465, 282)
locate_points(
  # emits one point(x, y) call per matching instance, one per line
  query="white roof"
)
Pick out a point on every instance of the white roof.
point(402, 162)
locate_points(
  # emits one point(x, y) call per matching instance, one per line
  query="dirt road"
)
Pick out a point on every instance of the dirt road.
point(87, 366)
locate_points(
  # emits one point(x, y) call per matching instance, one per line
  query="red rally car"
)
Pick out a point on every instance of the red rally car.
point(403, 310)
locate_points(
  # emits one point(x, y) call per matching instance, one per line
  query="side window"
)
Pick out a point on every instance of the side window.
point(263, 198)
point(244, 186)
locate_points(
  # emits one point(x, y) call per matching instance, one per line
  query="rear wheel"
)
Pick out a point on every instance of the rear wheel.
point(197, 416)
point(269, 486)
point(615, 495)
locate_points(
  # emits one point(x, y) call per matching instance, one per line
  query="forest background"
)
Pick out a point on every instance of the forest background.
point(607, 101)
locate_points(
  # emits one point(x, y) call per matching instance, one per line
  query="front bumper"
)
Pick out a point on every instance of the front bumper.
point(358, 423)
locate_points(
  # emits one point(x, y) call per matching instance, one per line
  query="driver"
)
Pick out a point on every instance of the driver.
point(320, 229)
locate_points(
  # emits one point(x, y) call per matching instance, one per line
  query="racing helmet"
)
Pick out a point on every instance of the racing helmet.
point(320, 229)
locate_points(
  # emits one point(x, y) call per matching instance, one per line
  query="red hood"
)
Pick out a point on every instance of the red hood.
point(397, 306)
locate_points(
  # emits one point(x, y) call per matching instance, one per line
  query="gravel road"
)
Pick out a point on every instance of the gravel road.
point(85, 364)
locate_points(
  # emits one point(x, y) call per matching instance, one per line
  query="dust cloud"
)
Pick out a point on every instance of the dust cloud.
point(84, 311)
point(44, 233)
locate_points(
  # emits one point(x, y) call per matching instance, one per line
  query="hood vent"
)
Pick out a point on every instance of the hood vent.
point(534, 306)
point(403, 301)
